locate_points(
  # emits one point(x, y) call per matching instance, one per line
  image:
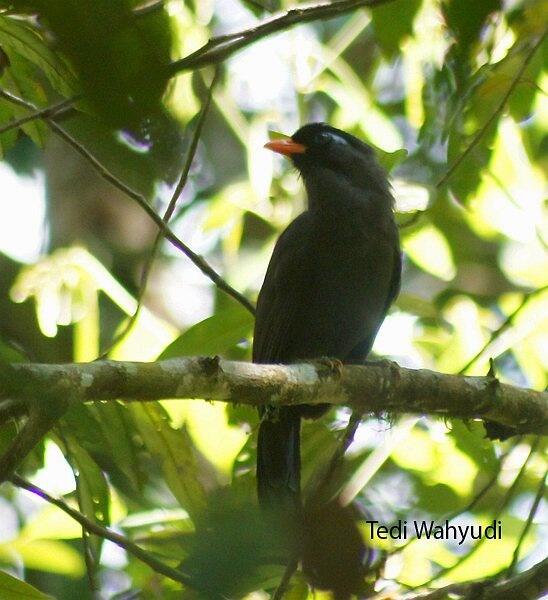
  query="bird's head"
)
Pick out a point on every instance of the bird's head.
point(317, 150)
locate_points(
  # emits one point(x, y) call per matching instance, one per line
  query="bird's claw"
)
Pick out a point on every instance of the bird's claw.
point(333, 365)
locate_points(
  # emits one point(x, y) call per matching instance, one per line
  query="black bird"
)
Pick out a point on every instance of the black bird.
point(333, 274)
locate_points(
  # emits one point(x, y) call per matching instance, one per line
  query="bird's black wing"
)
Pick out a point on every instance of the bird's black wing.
point(287, 281)
point(280, 303)
point(360, 351)
point(396, 270)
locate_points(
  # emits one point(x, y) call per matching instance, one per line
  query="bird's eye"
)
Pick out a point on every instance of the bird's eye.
point(323, 138)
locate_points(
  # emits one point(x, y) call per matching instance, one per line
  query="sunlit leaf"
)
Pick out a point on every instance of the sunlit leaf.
point(44, 555)
point(416, 305)
point(390, 160)
point(429, 249)
point(213, 335)
point(437, 462)
point(207, 424)
point(470, 439)
point(277, 135)
point(417, 561)
point(467, 339)
point(392, 22)
point(493, 555)
point(52, 523)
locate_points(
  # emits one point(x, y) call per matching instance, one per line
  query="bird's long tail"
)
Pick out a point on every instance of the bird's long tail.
point(279, 461)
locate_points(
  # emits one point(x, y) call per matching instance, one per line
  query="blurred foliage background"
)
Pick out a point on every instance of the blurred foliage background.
point(453, 95)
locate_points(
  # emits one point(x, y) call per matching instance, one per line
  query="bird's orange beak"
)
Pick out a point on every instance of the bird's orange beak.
point(286, 146)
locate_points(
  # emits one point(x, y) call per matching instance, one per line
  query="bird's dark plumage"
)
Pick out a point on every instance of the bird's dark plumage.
point(333, 274)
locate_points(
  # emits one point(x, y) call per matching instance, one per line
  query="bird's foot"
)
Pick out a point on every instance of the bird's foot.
point(270, 413)
point(333, 366)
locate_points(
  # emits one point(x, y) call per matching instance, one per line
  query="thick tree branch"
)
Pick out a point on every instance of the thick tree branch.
point(375, 387)
point(220, 48)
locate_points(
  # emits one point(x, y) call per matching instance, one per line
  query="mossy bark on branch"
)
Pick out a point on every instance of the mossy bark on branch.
point(380, 387)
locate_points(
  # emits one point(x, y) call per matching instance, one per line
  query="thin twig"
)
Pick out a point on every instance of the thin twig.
point(538, 497)
point(286, 579)
point(337, 458)
point(169, 212)
point(105, 532)
point(198, 260)
point(502, 328)
point(39, 422)
point(220, 48)
point(481, 132)
point(55, 110)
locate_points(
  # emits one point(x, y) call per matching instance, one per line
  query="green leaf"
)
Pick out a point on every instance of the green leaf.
point(19, 79)
point(466, 178)
point(51, 523)
point(174, 453)
point(93, 493)
point(437, 499)
point(9, 354)
point(105, 434)
point(466, 18)
point(390, 160)
point(12, 588)
point(428, 248)
point(213, 335)
point(233, 554)
point(298, 590)
point(277, 135)
point(120, 59)
point(393, 22)
point(17, 36)
point(8, 138)
point(415, 305)
point(437, 462)
point(493, 556)
point(470, 439)
point(51, 556)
